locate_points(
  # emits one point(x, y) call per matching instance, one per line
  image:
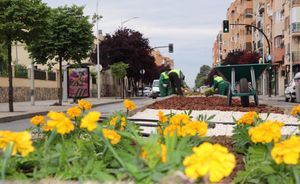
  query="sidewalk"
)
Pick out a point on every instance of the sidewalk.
point(277, 101)
point(26, 110)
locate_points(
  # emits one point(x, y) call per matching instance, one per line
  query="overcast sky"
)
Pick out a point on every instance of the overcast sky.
point(190, 25)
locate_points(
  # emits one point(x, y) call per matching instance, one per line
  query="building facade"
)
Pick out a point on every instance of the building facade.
point(280, 21)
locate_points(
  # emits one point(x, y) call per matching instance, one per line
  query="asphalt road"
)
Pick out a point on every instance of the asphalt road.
point(105, 110)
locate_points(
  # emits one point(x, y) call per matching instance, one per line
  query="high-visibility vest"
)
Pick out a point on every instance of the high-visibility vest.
point(165, 75)
point(218, 79)
point(176, 71)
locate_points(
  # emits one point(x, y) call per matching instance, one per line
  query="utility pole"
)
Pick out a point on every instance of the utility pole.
point(98, 57)
point(291, 42)
point(32, 90)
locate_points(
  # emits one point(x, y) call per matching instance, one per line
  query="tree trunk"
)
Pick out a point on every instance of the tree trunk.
point(123, 88)
point(10, 78)
point(60, 90)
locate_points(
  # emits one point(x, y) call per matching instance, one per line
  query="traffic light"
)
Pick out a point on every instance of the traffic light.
point(171, 48)
point(225, 26)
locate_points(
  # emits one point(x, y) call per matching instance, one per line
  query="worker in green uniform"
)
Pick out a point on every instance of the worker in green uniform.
point(165, 84)
point(177, 81)
point(221, 85)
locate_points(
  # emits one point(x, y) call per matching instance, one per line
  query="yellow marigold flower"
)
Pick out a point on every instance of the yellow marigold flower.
point(123, 123)
point(111, 135)
point(37, 120)
point(129, 105)
point(248, 118)
point(287, 151)
point(212, 160)
point(122, 120)
point(163, 153)
point(266, 132)
point(161, 117)
point(296, 111)
point(144, 154)
point(113, 121)
point(179, 119)
point(74, 112)
point(195, 127)
point(171, 129)
point(90, 121)
point(84, 104)
point(59, 122)
point(21, 142)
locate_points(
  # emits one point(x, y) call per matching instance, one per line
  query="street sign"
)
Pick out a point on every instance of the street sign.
point(99, 68)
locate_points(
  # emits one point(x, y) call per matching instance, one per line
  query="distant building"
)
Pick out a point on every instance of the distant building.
point(280, 21)
point(162, 60)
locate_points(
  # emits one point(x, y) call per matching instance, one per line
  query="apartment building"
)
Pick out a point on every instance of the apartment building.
point(280, 21)
point(239, 37)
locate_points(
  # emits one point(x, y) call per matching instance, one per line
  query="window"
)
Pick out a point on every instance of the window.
point(248, 30)
point(279, 42)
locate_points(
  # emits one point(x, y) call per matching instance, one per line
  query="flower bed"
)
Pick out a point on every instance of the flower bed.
point(74, 146)
point(211, 103)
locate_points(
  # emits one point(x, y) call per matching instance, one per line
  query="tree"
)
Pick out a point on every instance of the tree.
point(20, 21)
point(130, 47)
point(119, 70)
point(241, 57)
point(202, 76)
point(68, 38)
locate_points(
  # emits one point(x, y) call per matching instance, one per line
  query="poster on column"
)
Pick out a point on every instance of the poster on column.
point(78, 82)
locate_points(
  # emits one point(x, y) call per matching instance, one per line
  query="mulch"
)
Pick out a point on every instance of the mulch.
point(211, 103)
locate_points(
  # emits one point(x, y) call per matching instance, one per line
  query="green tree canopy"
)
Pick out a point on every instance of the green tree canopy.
point(22, 21)
point(69, 38)
point(202, 76)
point(119, 70)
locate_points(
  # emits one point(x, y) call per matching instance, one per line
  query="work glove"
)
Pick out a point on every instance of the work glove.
point(165, 85)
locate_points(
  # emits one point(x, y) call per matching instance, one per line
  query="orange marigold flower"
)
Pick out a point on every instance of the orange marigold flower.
point(161, 117)
point(129, 105)
point(248, 118)
point(74, 112)
point(296, 111)
point(84, 104)
point(37, 120)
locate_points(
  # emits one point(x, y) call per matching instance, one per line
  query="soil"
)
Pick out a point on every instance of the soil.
point(211, 103)
point(227, 142)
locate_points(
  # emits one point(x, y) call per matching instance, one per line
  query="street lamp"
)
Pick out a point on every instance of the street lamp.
point(99, 67)
point(32, 91)
point(127, 20)
point(142, 72)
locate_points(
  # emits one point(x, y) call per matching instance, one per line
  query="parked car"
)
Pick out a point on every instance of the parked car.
point(146, 91)
point(155, 89)
point(290, 90)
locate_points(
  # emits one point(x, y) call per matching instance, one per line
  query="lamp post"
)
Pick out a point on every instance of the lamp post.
point(291, 40)
point(99, 67)
point(142, 72)
point(32, 91)
point(127, 20)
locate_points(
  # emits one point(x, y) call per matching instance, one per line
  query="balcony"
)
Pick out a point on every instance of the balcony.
point(248, 13)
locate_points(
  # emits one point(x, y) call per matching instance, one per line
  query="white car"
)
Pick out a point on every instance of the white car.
point(146, 91)
point(290, 90)
point(155, 89)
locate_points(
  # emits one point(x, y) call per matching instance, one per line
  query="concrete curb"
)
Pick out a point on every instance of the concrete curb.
point(31, 114)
